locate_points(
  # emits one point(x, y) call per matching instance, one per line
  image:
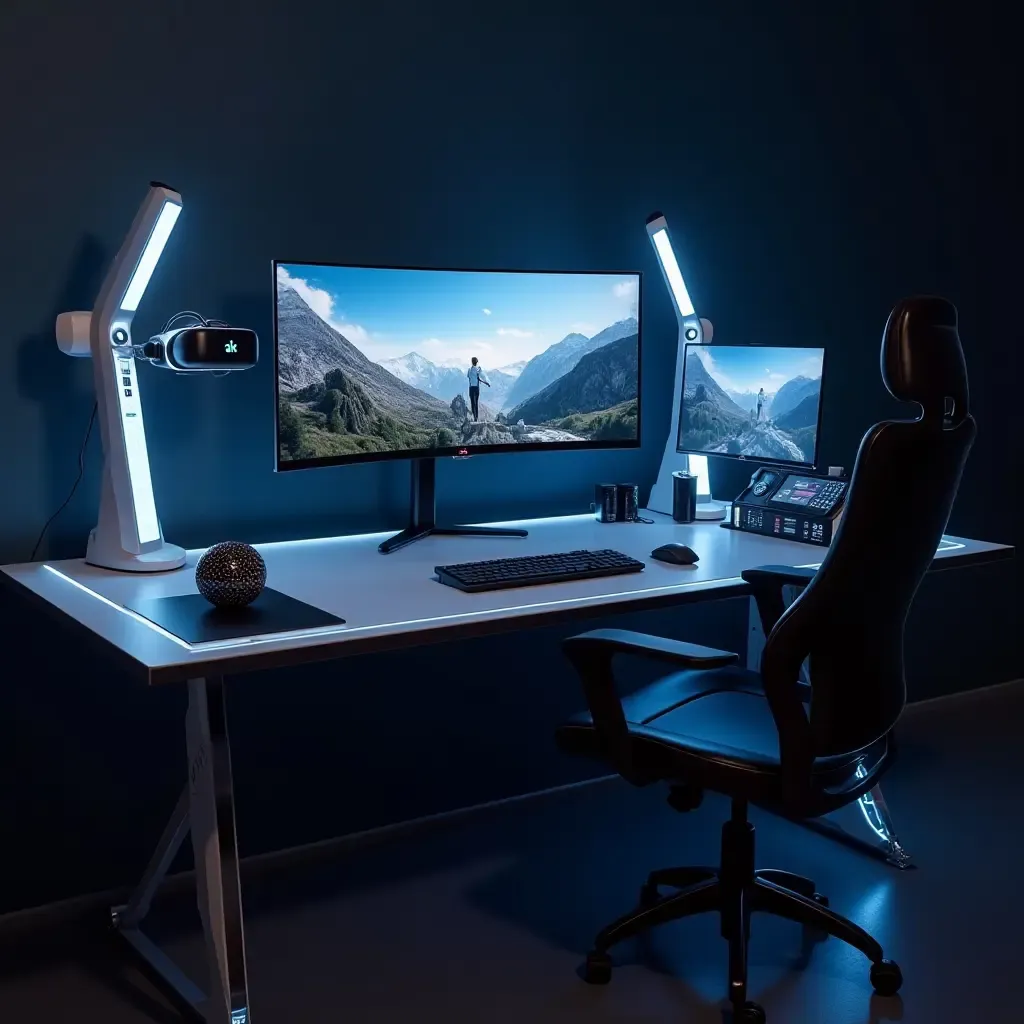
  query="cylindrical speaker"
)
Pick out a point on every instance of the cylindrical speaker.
point(684, 497)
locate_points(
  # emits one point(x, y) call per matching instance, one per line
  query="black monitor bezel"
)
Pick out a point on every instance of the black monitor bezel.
point(456, 451)
point(761, 461)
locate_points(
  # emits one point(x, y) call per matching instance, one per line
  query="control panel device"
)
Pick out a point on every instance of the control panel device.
point(795, 506)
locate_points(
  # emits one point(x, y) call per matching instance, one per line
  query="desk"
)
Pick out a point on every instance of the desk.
point(388, 602)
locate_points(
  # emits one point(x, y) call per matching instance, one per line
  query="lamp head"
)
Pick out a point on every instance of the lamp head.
point(657, 229)
point(126, 282)
point(167, 204)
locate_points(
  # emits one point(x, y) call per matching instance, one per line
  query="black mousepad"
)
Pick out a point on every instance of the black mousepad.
point(192, 618)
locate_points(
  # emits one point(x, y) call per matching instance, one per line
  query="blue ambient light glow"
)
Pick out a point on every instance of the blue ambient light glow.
point(117, 607)
point(870, 811)
point(672, 272)
point(150, 256)
point(945, 544)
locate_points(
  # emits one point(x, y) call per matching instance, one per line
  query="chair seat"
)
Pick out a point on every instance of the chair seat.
point(713, 729)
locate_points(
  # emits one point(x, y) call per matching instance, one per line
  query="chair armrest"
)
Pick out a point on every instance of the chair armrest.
point(778, 576)
point(767, 582)
point(609, 642)
point(591, 655)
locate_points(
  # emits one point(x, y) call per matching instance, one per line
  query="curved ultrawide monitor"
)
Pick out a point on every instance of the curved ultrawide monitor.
point(393, 363)
point(755, 402)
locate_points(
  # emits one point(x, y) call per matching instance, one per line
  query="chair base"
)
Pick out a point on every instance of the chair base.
point(735, 890)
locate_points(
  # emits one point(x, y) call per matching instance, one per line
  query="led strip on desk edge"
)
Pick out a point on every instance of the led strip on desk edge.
point(263, 638)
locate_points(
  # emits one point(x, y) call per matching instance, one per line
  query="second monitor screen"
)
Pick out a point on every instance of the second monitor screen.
point(755, 402)
point(384, 362)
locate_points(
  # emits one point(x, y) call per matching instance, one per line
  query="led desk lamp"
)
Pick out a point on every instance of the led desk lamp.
point(128, 536)
point(693, 330)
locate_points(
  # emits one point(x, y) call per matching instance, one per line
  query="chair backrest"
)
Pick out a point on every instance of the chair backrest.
point(849, 620)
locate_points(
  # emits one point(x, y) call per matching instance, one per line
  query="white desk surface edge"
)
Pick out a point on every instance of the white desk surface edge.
point(388, 595)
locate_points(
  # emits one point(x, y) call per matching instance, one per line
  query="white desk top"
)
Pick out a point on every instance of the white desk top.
point(394, 600)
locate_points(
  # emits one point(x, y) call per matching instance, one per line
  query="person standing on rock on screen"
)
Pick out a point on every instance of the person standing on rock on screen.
point(476, 378)
point(760, 404)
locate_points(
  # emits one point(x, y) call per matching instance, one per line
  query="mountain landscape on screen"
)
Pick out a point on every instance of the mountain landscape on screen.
point(719, 419)
point(560, 358)
point(597, 396)
point(445, 382)
point(334, 400)
point(793, 392)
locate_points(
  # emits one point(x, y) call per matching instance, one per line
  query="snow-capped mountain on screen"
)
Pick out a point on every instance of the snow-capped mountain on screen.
point(447, 381)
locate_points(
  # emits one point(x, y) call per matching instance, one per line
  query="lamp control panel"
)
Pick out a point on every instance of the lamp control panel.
point(795, 506)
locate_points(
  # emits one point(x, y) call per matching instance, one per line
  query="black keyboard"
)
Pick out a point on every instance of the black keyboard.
point(527, 570)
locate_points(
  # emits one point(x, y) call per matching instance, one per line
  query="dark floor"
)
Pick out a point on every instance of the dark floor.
point(487, 920)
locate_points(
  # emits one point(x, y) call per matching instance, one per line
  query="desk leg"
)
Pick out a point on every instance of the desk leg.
point(212, 812)
point(872, 805)
point(206, 807)
point(127, 920)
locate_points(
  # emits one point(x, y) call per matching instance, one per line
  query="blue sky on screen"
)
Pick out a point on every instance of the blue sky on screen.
point(747, 368)
point(449, 316)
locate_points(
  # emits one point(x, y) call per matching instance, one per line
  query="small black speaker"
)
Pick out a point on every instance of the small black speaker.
point(616, 503)
point(684, 497)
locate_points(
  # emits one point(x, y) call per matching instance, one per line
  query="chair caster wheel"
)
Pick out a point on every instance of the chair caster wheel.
point(749, 1013)
point(649, 895)
point(886, 977)
point(598, 969)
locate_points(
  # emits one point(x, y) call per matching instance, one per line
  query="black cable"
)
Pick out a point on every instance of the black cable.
point(74, 486)
point(185, 312)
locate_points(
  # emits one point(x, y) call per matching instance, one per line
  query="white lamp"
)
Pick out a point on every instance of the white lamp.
point(696, 331)
point(127, 536)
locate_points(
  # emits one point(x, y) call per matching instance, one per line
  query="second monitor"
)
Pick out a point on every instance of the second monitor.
point(752, 402)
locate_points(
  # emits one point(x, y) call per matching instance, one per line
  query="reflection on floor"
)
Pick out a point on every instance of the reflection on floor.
point(486, 921)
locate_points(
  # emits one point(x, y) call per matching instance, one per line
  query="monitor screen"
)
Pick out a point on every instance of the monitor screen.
point(752, 402)
point(384, 362)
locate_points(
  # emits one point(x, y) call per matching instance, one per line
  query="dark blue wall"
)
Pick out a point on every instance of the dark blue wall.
point(815, 168)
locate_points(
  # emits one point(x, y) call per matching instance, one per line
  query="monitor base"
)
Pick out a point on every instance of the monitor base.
point(414, 533)
point(422, 514)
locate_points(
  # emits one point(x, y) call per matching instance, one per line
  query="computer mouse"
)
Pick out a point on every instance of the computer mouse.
point(676, 554)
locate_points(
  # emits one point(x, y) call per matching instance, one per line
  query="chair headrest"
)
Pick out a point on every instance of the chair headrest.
point(922, 360)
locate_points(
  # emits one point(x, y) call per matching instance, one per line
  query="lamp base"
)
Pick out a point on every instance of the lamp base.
point(709, 511)
point(106, 556)
point(106, 550)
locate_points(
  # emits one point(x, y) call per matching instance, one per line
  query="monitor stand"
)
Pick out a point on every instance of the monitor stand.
point(422, 514)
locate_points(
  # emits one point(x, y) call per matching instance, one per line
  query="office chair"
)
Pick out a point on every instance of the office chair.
point(764, 738)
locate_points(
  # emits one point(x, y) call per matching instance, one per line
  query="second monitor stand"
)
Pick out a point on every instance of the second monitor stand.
point(422, 514)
